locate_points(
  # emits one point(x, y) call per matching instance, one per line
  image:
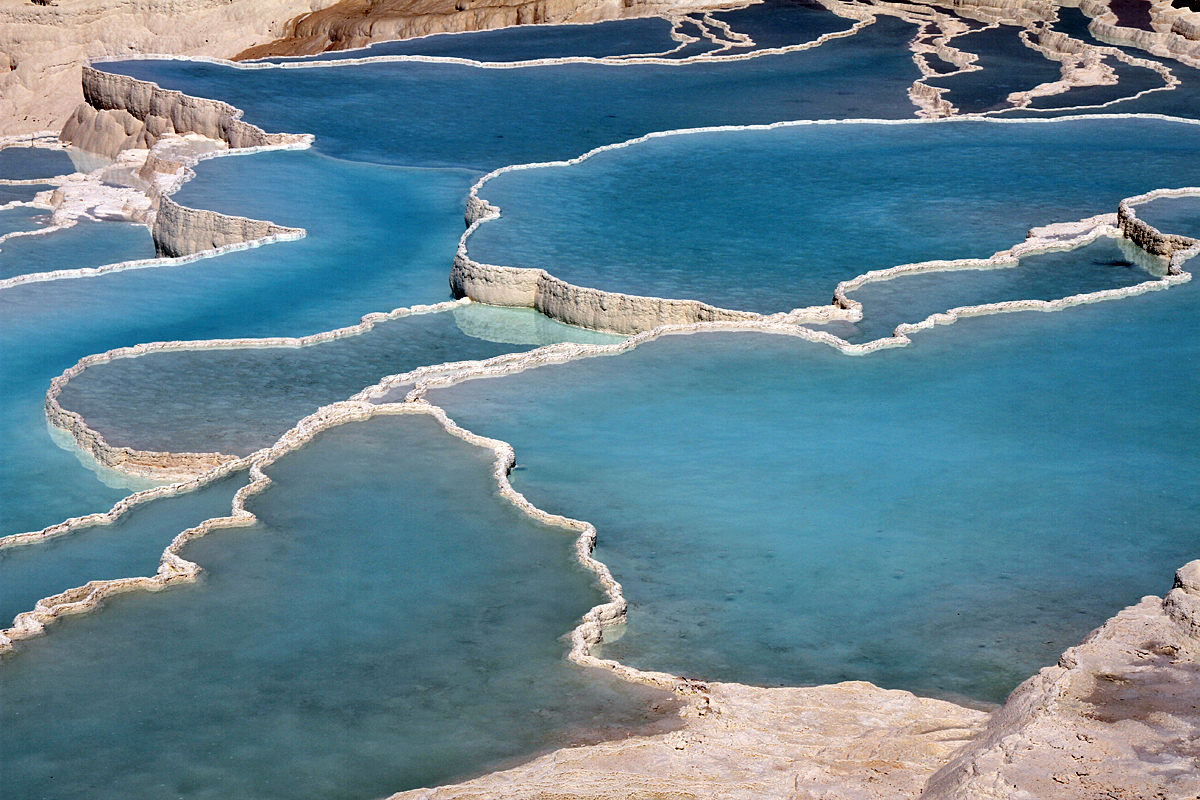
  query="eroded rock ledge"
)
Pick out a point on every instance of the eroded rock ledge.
point(119, 113)
point(182, 231)
point(1117, 718)
point(356, 23)
point(1146, 236)
point(123, 115)
point(578, 305)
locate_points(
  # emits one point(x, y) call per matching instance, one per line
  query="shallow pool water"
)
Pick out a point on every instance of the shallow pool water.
point(650, 36)
point(20, 218)
point(1181, 101)
point(1178, 215)
point(386, 242)
point(424, 114)
point(85, 244)
point(773, 220)
point(1104, 264)
point(1007, 66)
point(20, 163)
point(945, 518)
point(781, 23)
point(389, 624)
point(129, 547)
point(21, 192)
point(237, 401)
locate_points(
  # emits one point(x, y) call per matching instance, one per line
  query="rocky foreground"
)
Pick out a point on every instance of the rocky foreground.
point(1118, 718)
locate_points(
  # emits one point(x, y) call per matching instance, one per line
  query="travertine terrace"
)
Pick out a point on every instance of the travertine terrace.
point(1116, 717)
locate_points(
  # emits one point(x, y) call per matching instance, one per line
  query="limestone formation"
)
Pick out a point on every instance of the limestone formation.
point(44, 48)
point(848, 741)
point(356, 23)
point(1147, 236)
point(1118, 717)
point(181, 231)
point(121, 113)
point(1173, 32)
point(576, 305)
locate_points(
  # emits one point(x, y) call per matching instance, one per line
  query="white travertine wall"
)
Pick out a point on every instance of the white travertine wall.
point(182, 231)
point(578, 305)
point(44, 47)
point(1148, 237)
point(1116, 717)
point(120, 113)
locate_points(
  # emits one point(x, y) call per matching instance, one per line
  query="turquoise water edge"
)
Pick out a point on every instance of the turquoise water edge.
point(944, 517)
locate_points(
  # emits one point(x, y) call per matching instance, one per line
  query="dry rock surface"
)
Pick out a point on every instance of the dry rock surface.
point(43, 48)
point(848, 741)
point(356, 23)
point(1117, 719)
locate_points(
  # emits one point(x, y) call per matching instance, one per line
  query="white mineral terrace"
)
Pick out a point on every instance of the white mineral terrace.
point(854, 739)
point(1081, 62)
point(847, 740)
point(1065, 236)
point(627, 314)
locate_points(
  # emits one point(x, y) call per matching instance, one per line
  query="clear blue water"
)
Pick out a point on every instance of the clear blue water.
point(19, 163)
point(524, 43)
point(238, 401)
point(450, 115)
point(1179, 215)
point(1050, 276)
point(22, 192)
point(798, 209)
point(1131, 79)
point(1182, 101)
point(21, 218)
point(945, 518)
point(390, 624)
point(780, 23)
point(381, 233)
point(129, 547)
point(773, 24)
point(387, 242)
point(85, 244)
point(1008, 66)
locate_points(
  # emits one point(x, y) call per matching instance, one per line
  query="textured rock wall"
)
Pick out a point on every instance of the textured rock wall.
point(1174, 30)
point(1148, 237)
point(181, 231)
point(577, 305)
point(356, 23)
point(43, 48)
point(1118, 717)
point(119, 113)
